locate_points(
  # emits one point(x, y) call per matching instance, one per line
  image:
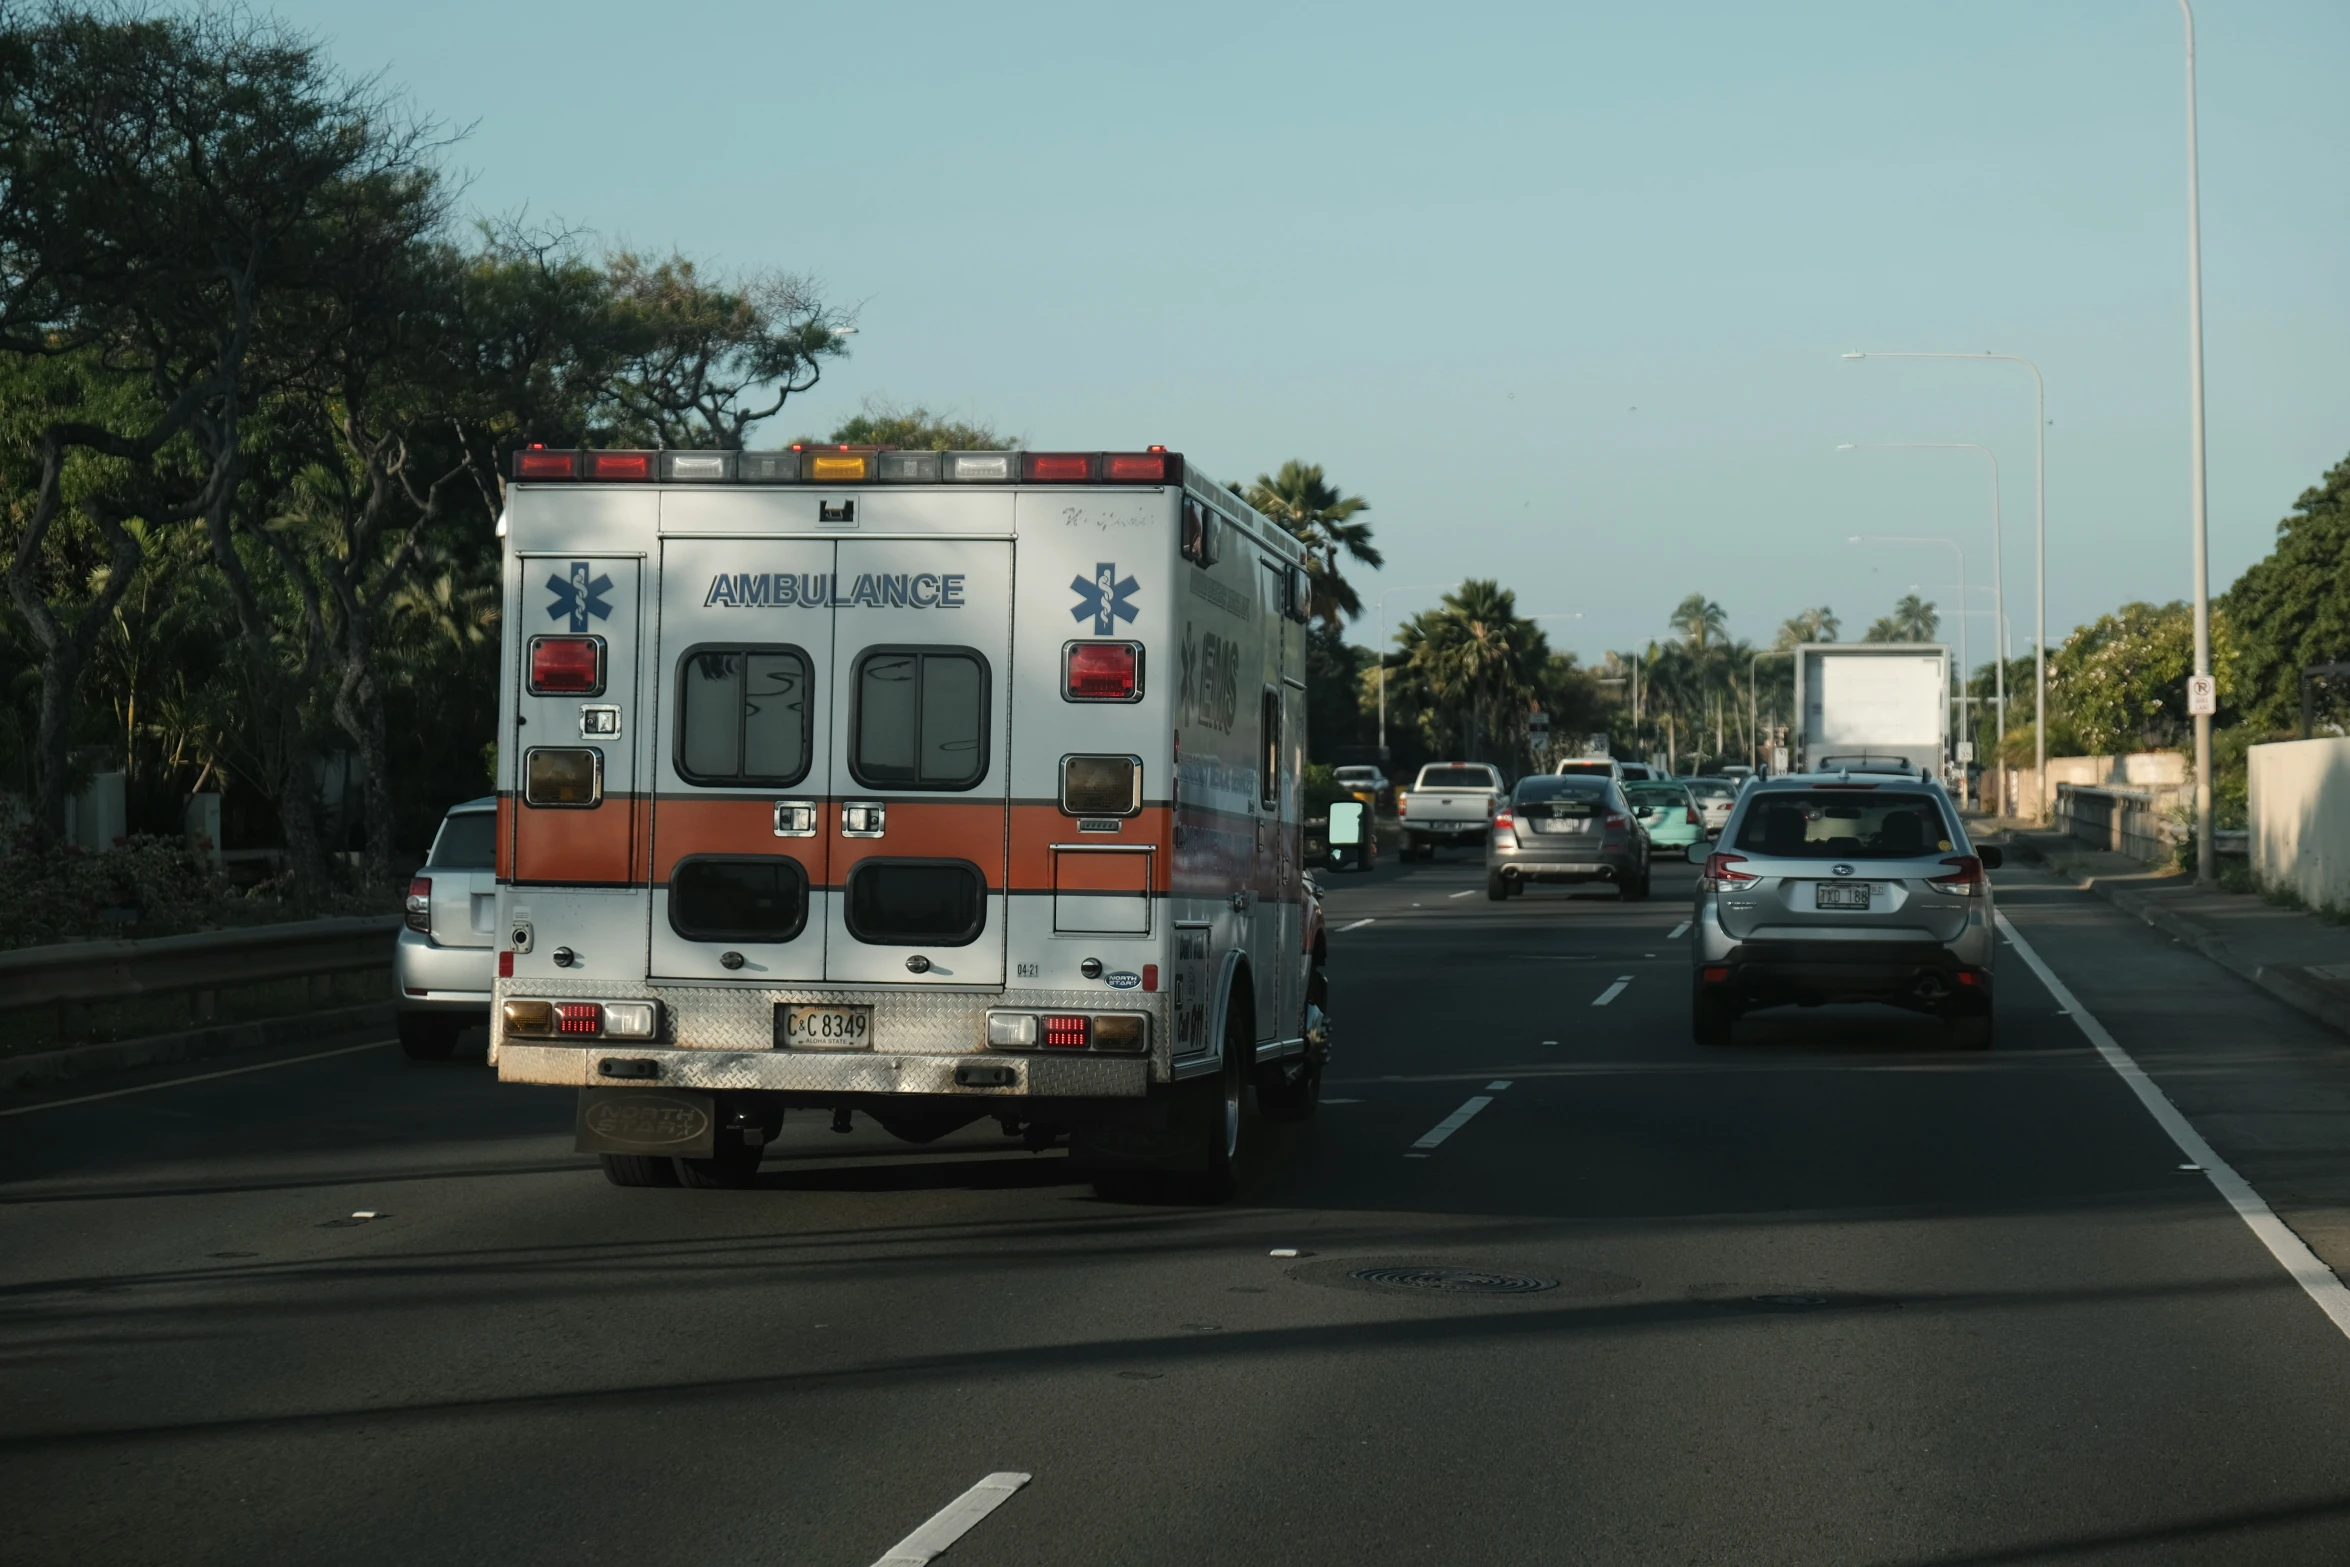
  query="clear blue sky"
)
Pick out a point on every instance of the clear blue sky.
point(1561, 288)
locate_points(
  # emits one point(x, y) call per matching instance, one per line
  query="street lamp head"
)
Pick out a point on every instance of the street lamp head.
point(1855, 354)
point(1846, 446)
point(1853, 539)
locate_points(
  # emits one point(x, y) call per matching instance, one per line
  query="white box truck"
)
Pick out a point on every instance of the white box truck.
point(1872, 705)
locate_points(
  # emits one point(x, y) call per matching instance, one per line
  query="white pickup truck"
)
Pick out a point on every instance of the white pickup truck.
point(1450, 802)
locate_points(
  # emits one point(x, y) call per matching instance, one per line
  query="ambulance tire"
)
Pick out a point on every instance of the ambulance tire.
point(735, 1164)
point(636, 1169)
point(1282, 1096)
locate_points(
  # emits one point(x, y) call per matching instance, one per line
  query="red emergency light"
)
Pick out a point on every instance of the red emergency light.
point(538, 463)
point(1057, 467)
point(619, 465)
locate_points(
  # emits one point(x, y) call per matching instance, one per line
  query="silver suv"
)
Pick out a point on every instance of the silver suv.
point(1850, 886)
point(448, 950)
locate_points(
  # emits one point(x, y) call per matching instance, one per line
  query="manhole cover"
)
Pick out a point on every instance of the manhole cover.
point(1453, 1281)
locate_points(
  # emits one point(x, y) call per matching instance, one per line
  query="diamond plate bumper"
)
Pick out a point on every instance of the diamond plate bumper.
point(826, 1072)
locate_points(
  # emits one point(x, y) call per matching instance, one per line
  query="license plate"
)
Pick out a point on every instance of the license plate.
point(1844, 895)
point(824, 1028)
point(1563, 824)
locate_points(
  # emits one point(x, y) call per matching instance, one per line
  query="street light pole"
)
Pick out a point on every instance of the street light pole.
point(2039, 546)
point(2205, 862)
point(1414, 587)
point(1753, 718)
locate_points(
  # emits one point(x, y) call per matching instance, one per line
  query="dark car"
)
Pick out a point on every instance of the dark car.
point(1566, 828)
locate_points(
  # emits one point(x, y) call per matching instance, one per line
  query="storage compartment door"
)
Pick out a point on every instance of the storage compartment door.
point(1103, 891)
point(740, 851)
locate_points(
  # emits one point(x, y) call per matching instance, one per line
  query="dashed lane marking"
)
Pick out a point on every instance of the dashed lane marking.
point(1498, 1086)
point(953, 1521)
point(1612, 991)
point(1449, 1125)
point(2291, 1252)
point(1678, 931)
point(1466, 892)
point(1357, 925)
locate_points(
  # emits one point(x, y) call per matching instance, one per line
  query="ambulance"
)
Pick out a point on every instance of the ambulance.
point(934, 787)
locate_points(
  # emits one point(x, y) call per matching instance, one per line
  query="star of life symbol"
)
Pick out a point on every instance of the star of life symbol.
point(577, 598)
point(1105, 598)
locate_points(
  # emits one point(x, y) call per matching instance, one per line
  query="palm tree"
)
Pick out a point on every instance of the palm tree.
point(1809, 625)
point(1699, 620)
point(1913, 620)
point(1473, 657)
point(1321, 518)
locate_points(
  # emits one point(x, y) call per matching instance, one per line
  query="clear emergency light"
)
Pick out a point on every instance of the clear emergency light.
point(847, 465)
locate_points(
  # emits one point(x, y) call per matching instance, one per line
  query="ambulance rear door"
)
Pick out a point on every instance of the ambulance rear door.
point(920, 691)
point(743, 757)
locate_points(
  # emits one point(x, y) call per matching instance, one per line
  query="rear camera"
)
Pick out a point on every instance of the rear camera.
point(1091, 968)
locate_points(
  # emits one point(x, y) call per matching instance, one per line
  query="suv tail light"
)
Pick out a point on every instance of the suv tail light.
point(1965, 882)
point(420, 904)
point(1617, 822)
point(1690, 813)
point(1102, 672)
point(1718, 876)
point(1504, 820)
point(566, 666)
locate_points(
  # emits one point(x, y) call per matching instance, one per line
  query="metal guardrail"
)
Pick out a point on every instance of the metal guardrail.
point(92, 971)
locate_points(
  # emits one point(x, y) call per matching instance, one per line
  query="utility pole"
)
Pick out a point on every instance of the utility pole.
point(2205, 860)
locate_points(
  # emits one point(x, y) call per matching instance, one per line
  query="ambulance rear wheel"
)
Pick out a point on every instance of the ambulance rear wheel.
point(636, 1169)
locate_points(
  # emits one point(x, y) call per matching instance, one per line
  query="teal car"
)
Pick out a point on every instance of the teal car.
point(1669, 813)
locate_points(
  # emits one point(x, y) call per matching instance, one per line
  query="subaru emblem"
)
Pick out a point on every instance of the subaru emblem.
point(1843, 870)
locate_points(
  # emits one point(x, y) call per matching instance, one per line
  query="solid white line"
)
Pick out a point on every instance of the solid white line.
point(953, 1521)
point(2291, 1252)
point(1450, 1124)
point(1678, 931)
point(1470, 893)
point(1613, 990)
point(199, 1077)
point(1357, 925)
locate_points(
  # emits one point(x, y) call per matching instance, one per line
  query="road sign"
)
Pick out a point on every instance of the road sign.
point(2202, 695)
point(1778, 759)
point(1966, 751)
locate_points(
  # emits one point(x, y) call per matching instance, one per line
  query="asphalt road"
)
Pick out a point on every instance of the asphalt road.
point(1833, 1294)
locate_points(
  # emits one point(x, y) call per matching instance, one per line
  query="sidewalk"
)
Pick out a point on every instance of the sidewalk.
point(2298, 958)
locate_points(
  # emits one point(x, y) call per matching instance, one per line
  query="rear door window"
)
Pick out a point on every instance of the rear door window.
point(738, 898)
point(1838, 824)
point(743, 716)
point(1456, 778)
point(932, 903)
point(468, 842)
point(921, 720)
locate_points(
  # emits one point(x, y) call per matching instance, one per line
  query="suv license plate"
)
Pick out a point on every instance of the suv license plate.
point(823, 1028)
point(1844, 895)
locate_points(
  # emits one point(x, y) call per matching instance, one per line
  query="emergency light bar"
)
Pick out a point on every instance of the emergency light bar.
point(848, 465)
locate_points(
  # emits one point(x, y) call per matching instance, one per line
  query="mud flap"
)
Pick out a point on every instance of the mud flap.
point(645, 1121)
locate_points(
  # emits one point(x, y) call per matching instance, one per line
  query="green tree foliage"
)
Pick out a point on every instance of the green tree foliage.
point(1913, 620)
point(1470, 671)
point(2292, 609)
point(2120, 683)
point(1810, 625)
point(1698, 621)
point(1323, 519)
point(915, 429)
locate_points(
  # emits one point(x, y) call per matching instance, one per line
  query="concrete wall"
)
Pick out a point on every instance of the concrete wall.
point(2300, 819)
point(2164, 772)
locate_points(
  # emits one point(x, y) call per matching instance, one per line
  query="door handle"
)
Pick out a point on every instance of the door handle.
point(795, 818)
point(863, 818)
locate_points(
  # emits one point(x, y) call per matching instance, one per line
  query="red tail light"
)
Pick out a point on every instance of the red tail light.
point(1401, 802)
point(1067, 1032)
point(619, 465)
point(1718, 873)
point(1103, 671)
point(420, 904)
point(1966, 881)
point(1716, 974)
point(1691, 813)
point(566, 666)
point(1504, 820)
point(1057, 467)
point(579, 1017)
point(1616, 823)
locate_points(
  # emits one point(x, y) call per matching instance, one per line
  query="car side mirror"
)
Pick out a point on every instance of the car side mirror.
point(1991, 855)
point(1699, 852)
